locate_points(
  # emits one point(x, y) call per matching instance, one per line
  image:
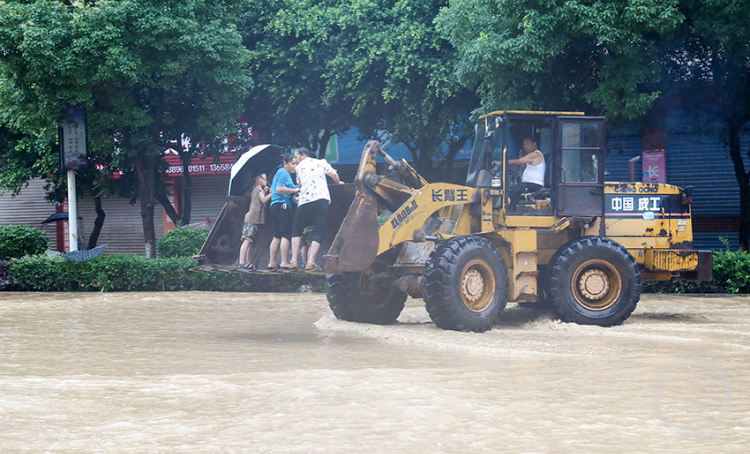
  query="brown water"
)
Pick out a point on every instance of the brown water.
point(230, 372)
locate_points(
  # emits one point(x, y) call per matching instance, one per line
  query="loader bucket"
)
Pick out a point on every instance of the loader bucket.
point(356, 244)
point(221, 249)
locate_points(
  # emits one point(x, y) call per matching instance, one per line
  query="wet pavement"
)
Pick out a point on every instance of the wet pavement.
point(241, 372)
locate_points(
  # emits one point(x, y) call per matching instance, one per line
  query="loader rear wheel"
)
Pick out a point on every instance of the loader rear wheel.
point(465, 285)
point(363, 297)
point(594, 281)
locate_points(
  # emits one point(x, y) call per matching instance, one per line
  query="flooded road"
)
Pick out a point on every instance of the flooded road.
point(239, 372)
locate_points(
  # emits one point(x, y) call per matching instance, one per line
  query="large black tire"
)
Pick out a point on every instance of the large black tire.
point(594, 281)
point(355, 297)
point(465, 285)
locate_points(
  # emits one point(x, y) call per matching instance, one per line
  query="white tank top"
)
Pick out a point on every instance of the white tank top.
point(535, 174)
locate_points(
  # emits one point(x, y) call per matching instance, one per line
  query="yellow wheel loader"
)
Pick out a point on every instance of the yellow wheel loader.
point(577, 245)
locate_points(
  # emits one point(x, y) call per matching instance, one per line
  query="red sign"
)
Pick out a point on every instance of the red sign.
point(654, 156)
point(214, 165)
point(200, 165)
point(654, 166)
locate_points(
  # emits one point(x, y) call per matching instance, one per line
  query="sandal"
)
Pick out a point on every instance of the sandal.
point(313, 267)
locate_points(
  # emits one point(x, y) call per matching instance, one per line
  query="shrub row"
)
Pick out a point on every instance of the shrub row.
point(120, 272)
point(19, 241)
point(130, 273)
point(183, 242)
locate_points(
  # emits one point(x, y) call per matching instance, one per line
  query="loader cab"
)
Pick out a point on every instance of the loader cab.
point(572, 146)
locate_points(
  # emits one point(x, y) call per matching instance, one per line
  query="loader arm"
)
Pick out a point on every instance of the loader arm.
point(356, 244)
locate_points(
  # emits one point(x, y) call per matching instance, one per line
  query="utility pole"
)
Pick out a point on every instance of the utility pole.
point(72, 157)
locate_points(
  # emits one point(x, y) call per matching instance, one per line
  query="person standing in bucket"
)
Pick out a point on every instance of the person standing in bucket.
point(314, 199)
point(282, 189)
point(255, 217)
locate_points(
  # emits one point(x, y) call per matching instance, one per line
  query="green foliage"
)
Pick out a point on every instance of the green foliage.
point(184, 242)
point(19, 241)
point(130, 273)
point(732, 270)
point(530, 54)
point(378, 65)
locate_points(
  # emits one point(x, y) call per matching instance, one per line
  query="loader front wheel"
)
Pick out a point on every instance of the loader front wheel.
point(594, 281)
point(465, 285)
point(364, 297)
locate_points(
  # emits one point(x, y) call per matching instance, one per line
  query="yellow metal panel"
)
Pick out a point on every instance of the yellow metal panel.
point(640, 188)
point(522, 270)
point(530, 221)
point(413, 214)
point(531, 112)
point(636, 227)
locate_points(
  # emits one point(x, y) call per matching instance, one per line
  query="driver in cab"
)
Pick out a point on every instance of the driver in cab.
point(534, 166)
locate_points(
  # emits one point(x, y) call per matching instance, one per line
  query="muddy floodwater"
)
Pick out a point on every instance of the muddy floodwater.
point(239, 372)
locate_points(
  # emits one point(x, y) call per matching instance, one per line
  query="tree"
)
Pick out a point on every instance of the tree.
point(324, 66)
point(131, 64)
point(289, 100)
point(601, 56)
point(398, 73)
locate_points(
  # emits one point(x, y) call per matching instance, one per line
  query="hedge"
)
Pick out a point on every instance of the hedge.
point(130, 273)
point(121, 272)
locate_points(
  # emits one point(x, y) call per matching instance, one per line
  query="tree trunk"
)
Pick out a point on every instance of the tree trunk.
point(186, 189)
point(453, 149)
point(145, 167)
point(743, 181)
point(98, 223)
point(322, 143)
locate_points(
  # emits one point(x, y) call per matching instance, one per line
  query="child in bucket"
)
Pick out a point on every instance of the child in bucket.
point(255, 217)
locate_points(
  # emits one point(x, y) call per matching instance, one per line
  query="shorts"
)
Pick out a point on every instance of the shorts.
point(282, 216)
point(314, 214)
point(249, 232)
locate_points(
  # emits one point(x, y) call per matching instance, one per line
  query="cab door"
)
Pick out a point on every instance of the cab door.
point(579, 163)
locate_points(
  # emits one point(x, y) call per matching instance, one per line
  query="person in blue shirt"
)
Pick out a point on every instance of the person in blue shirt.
point(282, 189)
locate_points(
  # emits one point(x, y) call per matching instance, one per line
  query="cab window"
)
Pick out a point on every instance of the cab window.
point(581, 154)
